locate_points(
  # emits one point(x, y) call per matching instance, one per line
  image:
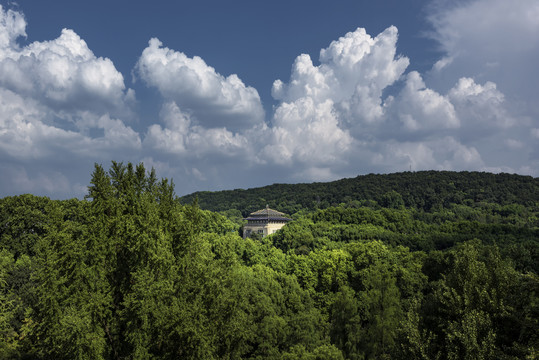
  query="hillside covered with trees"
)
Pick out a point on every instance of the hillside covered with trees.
point(423, 190)
point(429, 265)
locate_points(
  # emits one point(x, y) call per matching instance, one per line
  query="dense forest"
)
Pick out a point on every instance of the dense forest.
point(429, 265)
point(424, 190)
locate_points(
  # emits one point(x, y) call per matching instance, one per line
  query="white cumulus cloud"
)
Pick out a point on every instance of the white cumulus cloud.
point(420, 109)
point(183, 138)
point(12, 26)
point(353, 72)
point(62, 74)
point(324, 106)
point(333, 119)
point(480, 105)
point(54, 97)
point(306, 133)
point(214, 100)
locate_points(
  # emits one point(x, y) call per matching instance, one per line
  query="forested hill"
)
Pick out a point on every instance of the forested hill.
point(424, 190)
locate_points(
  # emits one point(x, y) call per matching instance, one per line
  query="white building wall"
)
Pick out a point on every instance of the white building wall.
point(262, 229)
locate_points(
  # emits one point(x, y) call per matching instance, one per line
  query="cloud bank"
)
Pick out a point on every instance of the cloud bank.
point(356, 109)
point(53, 94)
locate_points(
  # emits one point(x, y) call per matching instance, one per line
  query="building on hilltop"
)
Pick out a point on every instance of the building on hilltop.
point(264, 222)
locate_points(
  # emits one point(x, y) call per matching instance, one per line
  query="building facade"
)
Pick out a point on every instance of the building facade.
point(264, 222)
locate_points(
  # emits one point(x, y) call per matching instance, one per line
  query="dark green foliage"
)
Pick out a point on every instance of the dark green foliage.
point(424, 190)
point(432, 265)
point(23, 220)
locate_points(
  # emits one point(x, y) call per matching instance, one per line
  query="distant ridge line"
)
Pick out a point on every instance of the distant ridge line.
point(419, 189)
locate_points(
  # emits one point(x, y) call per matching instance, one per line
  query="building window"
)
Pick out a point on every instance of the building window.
point(260, 231)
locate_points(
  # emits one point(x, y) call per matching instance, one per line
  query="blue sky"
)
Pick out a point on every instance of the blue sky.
point(223, 95)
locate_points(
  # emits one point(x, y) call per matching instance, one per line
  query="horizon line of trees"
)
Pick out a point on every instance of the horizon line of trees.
point(423, 190)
